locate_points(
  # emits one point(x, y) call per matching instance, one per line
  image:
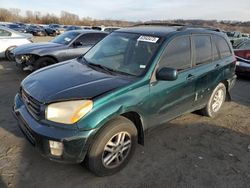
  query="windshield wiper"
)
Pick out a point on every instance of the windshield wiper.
point(101, 67)
point(120, 72)
point(109, 70)
point(98, 66)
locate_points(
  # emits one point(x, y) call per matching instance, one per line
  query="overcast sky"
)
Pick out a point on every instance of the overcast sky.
point(143, 10)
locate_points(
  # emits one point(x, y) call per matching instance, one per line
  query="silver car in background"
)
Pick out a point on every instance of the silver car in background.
point(9, 39)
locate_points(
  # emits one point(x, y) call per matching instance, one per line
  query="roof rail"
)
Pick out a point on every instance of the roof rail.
point(199, 27)
point(159, 24)
point(182, 26)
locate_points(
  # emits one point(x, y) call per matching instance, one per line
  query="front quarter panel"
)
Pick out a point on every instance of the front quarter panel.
point(128, 99)
point(58, 52)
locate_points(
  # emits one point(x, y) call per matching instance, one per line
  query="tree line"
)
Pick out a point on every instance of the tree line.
point(67, 18)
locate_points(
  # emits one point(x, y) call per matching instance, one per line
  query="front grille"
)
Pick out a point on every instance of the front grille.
point(24, 128)
point(33, 106)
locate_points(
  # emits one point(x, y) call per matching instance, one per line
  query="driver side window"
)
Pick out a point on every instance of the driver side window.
point(177, 54)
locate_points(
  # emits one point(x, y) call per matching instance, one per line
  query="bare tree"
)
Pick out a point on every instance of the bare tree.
point(69, 18)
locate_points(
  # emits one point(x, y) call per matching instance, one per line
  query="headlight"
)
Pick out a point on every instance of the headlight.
point(68, 112)
point(24, 58)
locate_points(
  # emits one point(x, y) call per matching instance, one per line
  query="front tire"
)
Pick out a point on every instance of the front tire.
point(113, 147)
point(43, 62)
point(216, 101)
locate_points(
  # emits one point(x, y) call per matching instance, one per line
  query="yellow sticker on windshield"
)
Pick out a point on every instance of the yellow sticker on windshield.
point(148, 39)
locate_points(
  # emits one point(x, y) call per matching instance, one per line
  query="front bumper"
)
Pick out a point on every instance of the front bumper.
point(75, 142)
point(242, 68)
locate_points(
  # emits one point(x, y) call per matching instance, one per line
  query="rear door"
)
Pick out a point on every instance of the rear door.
point(169, 99)
point(213, 63)
point(205, 62)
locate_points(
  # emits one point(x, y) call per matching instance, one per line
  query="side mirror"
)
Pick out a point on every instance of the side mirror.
point(77, 44)
point(167, 74)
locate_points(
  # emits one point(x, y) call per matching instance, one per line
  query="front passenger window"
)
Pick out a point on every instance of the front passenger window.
point(177, 54)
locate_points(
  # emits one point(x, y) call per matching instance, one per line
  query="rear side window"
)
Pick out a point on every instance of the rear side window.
point(91, 39)
point(215, 52)
point(177, 54)
point(222, 46)
point(203, 49)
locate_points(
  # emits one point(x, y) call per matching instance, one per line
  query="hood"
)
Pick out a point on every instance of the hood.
point(70, 80)
point(35, 47)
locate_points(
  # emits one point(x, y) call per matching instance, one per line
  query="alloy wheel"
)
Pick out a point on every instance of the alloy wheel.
point(116, 150)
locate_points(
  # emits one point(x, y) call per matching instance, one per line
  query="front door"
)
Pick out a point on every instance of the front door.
point(169, 99)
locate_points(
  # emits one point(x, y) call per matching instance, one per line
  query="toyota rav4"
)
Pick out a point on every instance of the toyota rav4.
point(95, 108)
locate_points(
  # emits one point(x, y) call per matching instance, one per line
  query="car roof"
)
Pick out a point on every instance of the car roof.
point(160, 31)
point(163, 31)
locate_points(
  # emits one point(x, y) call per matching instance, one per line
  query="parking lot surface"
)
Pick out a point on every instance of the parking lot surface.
point(190, 151)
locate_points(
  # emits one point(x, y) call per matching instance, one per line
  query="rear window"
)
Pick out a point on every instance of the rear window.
point(245, 46)
point(203, 49)
point(4, 33)
point(223, 46)
point(177, 55)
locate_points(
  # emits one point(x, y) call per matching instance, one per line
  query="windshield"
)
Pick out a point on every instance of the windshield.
point(65, 38)
point(123, 52)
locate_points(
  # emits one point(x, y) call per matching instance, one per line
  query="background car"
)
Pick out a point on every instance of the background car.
point(57, 27)
point(36, 30)
point(69, 28)
point(242, 53)
point(69, 45)
point(236, 41)
point(10, 39)
point(51, 31)
point(110, 29)
point(16, 27)
point(96, 28)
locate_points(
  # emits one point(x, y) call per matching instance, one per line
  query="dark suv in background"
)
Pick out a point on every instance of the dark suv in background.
point(96, 107)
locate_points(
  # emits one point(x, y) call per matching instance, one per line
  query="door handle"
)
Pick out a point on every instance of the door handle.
point(190, 77)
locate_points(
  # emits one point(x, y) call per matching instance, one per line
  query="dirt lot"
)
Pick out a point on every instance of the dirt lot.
point(191, 151)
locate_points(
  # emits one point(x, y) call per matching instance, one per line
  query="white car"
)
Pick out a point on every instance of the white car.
point(9, 39)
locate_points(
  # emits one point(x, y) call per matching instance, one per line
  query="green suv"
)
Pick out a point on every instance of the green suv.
point(94, 109)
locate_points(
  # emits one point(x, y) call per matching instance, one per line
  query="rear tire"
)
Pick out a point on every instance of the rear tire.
point(112, 148)
point(8, 53)
point(43, 62)
point(215, 101)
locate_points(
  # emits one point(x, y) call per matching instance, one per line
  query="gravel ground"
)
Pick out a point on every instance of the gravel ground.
point(190, 151)
point(42, 39)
